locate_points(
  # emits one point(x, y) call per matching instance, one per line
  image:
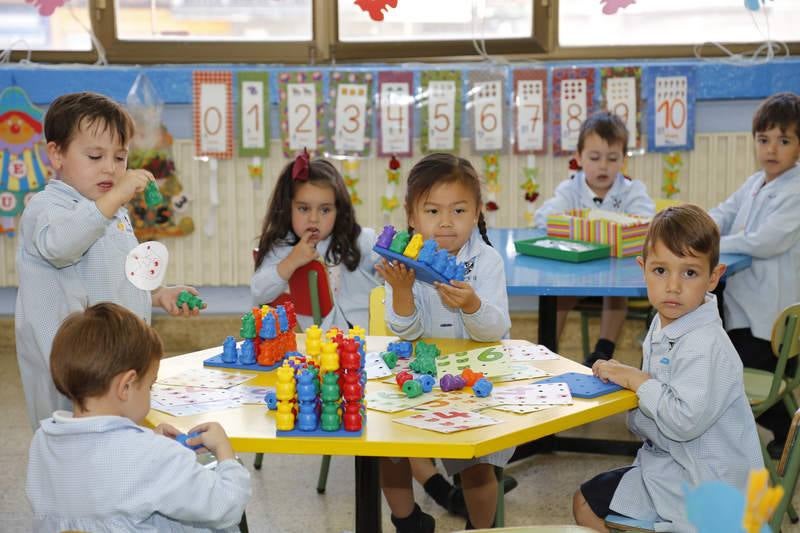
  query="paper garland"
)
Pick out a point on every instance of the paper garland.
point(531, 187)
point(389, 201)
point(491, 171)
point(573, 102)
point(350, 113)
point(671, 168)
point(351, 168)
point(440, 112)
point(301, 111)
point(621, 90)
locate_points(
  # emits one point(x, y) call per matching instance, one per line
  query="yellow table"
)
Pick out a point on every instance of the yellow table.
point(252, 427)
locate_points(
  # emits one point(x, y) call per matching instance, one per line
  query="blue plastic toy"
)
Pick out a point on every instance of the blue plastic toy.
point(426, 381)
point(430, 266)
point(268, 327)
point(248, 353)
point(271, 399)
point(482, 388)
point(229, 353)
point(402, 349)
point(283, 320)
point(183, 437)
point(583, 385)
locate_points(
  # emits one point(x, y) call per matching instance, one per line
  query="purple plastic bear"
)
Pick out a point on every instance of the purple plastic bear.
point(450, 383)
point(385, 238)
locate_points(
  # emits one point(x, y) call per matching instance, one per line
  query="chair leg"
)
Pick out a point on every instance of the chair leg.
point(585, 335)
point(323, 474)
point(243, 523)
point(258, 460)
point(500, 512)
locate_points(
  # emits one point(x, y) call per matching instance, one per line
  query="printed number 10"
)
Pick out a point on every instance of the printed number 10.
point(671, 109)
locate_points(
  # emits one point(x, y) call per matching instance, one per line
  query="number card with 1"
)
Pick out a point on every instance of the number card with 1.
point(253, 113)
point(621, 89)
point(671, 95)
point(441, 113)
point(486, 98)
point(213, 114)
point(301, 111)
point(573, 102)
point(530, 105)
point(395, 117)
point(351, 123)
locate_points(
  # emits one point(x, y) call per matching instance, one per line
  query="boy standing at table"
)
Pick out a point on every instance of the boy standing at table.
point(762, 220)
point(693, 414)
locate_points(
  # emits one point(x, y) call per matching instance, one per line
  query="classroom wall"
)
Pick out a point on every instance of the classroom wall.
point(712, 171)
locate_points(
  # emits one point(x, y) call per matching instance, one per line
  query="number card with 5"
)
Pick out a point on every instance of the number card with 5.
point(486, 99)
point(671, 95)
point(621, 90)
point(530, 105)
point(395, 119)
point(301, 111)
point(213, 113)
point(441, 110)
point(351, 122)
point(573, 102)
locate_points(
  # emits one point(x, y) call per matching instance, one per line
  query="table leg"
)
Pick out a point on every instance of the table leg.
point(368, 495)
point(548, 313)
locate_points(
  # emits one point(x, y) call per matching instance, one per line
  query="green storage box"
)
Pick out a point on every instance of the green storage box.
point(562, 249)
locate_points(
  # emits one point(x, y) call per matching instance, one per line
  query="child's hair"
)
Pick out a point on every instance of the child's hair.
point(685, 230)
point(437, 168)
point(278, 220)
point(781, 110)
point(70, 112)
point(94, 345)
point(607, 126)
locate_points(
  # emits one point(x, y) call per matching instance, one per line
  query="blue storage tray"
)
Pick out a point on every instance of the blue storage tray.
point(217, 362)
point(320, 433)
point(423, 272)
point(583, 385)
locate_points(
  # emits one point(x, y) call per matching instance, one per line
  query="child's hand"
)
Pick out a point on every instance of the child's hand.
point(459, 294)
point(214, 439)
point(304, 251)
point(167, 430)
point(126, 186)
point(167, 298)
point(396, 274)
point(623, 375)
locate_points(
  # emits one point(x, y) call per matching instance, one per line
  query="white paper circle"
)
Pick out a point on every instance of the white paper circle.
point(146, 265)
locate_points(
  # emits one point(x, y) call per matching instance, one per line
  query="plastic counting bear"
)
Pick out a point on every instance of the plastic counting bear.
point(425, 258)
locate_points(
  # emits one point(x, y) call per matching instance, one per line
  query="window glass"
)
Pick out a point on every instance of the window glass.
point(59, 31)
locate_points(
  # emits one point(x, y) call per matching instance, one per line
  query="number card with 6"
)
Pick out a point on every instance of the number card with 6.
point(486, 99)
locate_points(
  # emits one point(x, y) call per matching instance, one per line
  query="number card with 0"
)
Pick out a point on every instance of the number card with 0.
point(253, 111)
point(573, 102)
point(671, 95)
point(621, 91)
point(301, 111)
point(213, 113)
point(350, 121)
point(441, 110)
point(395, 119)
point(530, 111)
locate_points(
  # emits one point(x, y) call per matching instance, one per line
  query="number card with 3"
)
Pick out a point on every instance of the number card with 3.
point(441, 98)
point(213, 114)
point(671, 93)
point(486, 100)
point(573, 102)
point(352, 113)
point(301, 111)
point(395, 118)
point(253, 113)
point(530, 104)
point(621, 89)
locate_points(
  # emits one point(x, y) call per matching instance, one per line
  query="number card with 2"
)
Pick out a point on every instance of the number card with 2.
point(441, 96)
point(301, 111)
point(213, 113)
point(486, 100)
point(671, 94)
point(573, 102)
point(253, 113)
point(395, 117)
point(530, 105)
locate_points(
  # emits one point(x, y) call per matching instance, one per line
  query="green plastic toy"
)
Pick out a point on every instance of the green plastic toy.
point(194, 302)
point(152, 195)
point(390, 358)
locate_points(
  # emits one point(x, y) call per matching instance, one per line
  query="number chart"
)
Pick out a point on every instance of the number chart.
point(212, 114)
point(395, 117)
point(671, 95)
point(621, 89)
point(530, 101)
point(573, 102)
point(301, 111)
point(441, 97)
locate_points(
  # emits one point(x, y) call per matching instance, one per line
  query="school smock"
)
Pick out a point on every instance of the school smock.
point(107, 474)
point(625, 196)
point(350, 289)
point(70, 256)
point(762, 221)
point(431, 318)
point(693, 416)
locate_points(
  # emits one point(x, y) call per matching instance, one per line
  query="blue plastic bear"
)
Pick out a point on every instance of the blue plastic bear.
point(283, 320)
point(248, 353)
point(427, 382)
point(427, 252)
point(268, 327)
point(482, 388)
point(439, 263)
point(182, 438)
point(229, 354)
point(271, 399)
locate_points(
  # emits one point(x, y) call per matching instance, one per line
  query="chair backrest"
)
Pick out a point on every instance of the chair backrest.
point(377, 314)
point(788, 470)
point(785, 334)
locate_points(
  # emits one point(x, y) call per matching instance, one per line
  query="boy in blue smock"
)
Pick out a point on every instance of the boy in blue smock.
point(762, 220)
point(693, 414)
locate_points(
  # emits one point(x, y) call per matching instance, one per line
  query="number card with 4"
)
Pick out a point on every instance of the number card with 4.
point(485, 100)
point(351, 123)
point(573, 102)
point(301, 111)
point(530, 105)
point(213, 113)
point(253, 113)
point(671, 111)
point(441, 110)
point(395, 119)
point(621, 90)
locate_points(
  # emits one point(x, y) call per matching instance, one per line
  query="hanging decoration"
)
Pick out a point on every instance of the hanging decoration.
point(573, 102)
point(395, 119)
point(151, 149)
point(610, 7)
point(670, 93)
point(302, 111)
point(530, 185)
point(24, 167)
point(375, 8)
point(46, 7)
point(671, 168)
point(254, 121)
point(213, 129)
point(530, 111)
point(491, 171)
point(389, 201)
point(486, 109)
point(621, 90)
point(440, 92)
point(350, 114)
point(352, 168)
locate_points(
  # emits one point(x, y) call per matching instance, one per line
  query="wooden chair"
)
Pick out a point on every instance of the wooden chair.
point(787, 473)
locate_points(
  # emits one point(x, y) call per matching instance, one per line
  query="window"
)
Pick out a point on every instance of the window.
point(60, 31)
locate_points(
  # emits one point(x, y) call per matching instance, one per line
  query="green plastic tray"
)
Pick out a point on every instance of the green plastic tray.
point(580, 251)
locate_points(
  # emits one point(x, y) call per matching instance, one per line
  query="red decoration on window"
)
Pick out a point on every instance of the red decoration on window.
point(611, 6)
point(375, 7)
point(46, 7)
